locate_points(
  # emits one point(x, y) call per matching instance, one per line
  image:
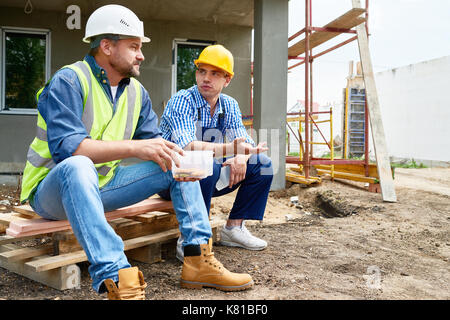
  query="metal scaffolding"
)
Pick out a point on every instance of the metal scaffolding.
point(315, 36)
point(355, 21)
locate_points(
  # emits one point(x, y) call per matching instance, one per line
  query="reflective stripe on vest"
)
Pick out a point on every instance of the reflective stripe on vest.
point(39, 158)
point(37, 161)
point(88, 112)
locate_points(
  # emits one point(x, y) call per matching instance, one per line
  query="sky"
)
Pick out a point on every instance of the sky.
point(402, 32)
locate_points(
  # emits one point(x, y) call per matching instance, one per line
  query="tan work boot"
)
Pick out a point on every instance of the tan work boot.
point(131, 285)
point(202, 269)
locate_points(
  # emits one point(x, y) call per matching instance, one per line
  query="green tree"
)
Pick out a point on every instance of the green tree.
point(24, 69)
point(185, 65)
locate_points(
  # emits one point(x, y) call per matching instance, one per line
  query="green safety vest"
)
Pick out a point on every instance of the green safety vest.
point(100, 122)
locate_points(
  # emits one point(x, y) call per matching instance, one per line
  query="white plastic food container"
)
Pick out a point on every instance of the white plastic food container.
point(194, 164)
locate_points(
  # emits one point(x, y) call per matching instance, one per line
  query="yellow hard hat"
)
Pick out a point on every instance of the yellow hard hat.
point(217, 56)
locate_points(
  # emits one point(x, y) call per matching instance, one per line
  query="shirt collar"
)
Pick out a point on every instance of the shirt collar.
point(201, 102)
point(100, 73)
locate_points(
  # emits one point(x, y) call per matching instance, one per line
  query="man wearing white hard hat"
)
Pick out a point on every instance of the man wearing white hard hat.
point(91, 115)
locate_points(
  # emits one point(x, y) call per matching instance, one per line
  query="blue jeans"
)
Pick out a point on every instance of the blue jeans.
point(70, 191)
point(251, 198)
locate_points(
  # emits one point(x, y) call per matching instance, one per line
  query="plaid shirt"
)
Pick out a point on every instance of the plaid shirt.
point(178, 122)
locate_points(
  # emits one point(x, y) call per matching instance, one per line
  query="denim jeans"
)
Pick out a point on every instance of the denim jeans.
point(251, 198)
point(70, 191)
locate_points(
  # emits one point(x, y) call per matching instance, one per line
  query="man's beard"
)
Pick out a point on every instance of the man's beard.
point(127, 70)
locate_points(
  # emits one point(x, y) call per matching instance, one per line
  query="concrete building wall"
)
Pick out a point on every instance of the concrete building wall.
point(156, 71)
point(17, 131)
point(415, 107)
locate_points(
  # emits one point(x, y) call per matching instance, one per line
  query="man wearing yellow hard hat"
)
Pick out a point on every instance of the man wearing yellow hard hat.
point(91, 115)
point(202, 118)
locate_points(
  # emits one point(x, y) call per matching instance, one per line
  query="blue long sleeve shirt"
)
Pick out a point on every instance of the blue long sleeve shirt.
point(61, 106)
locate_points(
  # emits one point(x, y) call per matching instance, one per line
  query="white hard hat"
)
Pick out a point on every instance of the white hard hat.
point(114, 19)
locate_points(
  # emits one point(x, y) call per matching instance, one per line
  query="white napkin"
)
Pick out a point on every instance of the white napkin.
point(224, 179)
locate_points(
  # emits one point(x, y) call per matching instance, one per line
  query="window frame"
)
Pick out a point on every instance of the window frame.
point(3, 31)
point(175, 44)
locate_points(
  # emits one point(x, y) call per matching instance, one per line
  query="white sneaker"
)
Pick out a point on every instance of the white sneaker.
point(241, 237)
point(180, 251)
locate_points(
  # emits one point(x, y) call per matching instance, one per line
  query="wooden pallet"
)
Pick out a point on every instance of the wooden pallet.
point(148, 236)
point(36, 225)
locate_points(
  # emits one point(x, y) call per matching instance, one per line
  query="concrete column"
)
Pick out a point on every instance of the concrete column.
point(270, 81)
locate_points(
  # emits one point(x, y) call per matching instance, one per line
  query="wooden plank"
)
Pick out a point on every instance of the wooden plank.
point(294, 177)
point(348, 176)
point(49, 263)
point(376, 123)
point(6, 218)
point(147, 254)
point(136, 229)
point(149, 217)
point(5, 239)
point(150, 204)
point(161, 215)
point(351, 168)
point(348, 20)
point(25, 253)
point(157, 251)
point(53, 262)
point(38, 226)
point(66, 277)
point(27, 226)
point(47, 229)
point(145, 217)
point(152, 238)
point(66, 246)
point(125, 228)
point(27, 211)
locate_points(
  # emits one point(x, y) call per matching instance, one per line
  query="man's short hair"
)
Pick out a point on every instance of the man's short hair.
point(95, 42)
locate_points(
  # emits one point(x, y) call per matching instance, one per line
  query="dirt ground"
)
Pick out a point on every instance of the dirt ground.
point(338, 242)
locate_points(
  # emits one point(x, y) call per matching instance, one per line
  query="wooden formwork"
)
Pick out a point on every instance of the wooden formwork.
point(51, 257)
